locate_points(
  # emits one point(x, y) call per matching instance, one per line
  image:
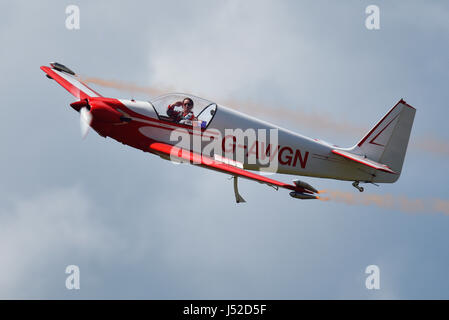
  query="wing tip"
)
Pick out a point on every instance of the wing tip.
point(58, 66)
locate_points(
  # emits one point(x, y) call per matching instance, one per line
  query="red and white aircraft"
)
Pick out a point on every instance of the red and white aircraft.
point(150, 126)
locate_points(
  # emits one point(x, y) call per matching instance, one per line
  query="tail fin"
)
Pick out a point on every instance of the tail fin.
point(387, 141)
point(69, 80)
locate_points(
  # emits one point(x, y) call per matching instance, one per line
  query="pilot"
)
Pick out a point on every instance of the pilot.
point(185, 114)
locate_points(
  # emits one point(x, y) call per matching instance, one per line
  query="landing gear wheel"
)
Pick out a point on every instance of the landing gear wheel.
point(355, 184)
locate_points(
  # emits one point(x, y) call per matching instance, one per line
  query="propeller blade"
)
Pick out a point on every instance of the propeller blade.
point(85, 121)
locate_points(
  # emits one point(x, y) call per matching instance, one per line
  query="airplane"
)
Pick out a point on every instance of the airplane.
point(157, 126)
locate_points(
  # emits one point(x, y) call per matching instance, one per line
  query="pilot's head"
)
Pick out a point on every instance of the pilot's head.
point(187, 104)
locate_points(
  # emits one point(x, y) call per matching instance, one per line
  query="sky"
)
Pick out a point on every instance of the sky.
point(139, 227)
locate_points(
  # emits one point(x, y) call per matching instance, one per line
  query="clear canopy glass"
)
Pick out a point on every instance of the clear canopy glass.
point(203, 110)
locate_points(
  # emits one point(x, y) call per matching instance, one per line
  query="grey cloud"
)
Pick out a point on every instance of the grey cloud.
point(140, 227)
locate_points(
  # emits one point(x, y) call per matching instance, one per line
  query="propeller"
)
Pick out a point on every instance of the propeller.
point(102, 112)
point(85, 121)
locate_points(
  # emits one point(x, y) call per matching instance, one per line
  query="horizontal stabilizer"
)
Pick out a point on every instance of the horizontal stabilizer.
point(363, 160)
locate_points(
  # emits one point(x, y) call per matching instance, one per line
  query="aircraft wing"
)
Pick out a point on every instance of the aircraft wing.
point(207, 162)
point(67, 78)
point(363, 160)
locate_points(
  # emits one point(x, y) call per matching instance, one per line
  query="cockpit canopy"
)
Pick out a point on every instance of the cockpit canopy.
point(203, 110)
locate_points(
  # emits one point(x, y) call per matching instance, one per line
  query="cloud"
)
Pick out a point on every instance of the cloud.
point(41, 235)
point(140, 227)
point(233, 48)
